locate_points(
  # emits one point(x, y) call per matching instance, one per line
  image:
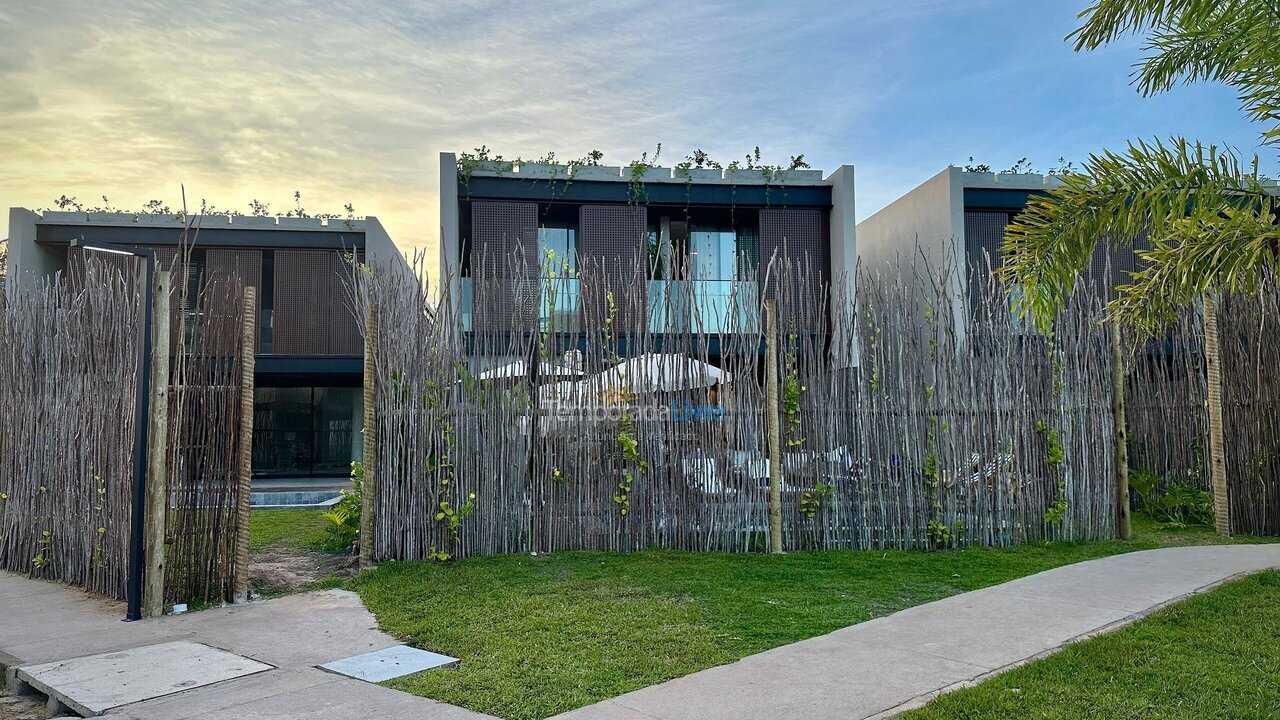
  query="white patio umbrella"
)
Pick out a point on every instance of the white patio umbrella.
point(658, 372)
point(520, 369)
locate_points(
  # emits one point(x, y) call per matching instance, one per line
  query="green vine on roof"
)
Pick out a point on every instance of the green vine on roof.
point(637, 169)
point(468, 163)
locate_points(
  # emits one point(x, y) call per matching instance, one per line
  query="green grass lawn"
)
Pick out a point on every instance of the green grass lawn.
point(539, 636)
point(1215, 656)
point(287, 529)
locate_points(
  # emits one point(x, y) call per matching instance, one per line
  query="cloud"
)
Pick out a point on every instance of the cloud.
point(354, 101)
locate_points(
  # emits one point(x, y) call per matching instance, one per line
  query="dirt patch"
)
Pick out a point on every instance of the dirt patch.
point(274, 572)
point(22, 707)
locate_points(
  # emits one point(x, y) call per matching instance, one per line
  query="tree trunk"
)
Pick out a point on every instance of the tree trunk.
point(771, 423)
point(1124, 526)
point(1217, 457)
point(369, 456)
point(249, 331)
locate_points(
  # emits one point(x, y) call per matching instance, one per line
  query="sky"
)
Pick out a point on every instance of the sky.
point(348, 102)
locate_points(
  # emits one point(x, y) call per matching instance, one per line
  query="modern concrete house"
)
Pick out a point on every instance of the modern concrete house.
point(956, 220)
point(702, 235)
point(308, 375)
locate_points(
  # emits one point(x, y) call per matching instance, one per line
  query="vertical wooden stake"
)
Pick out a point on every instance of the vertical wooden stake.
point(1217, 443)
point(1124, 525)
point(369, 455)
point(157, 450)
point(771, 423)
point(248, 336)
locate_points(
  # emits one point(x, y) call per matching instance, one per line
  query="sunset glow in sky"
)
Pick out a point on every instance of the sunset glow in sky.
point(352, 102)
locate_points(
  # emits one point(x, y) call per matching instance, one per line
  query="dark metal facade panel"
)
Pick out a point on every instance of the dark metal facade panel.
point(301, 302)
point(504, 251)
point(798, 235)
point(612, 243)
point(344, 332)
point(984, 238)
point(221, 264)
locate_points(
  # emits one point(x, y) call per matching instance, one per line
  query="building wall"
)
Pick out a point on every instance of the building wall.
point(449, 238)
point(925, 225)
point(27, 260)
point(844, 261)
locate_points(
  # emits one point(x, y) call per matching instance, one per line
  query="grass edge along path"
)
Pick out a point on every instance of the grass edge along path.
point(1212, 656)
point(542, 635)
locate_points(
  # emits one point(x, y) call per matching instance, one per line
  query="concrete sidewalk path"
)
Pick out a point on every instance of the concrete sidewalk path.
point(43, 622)
point(885, 666)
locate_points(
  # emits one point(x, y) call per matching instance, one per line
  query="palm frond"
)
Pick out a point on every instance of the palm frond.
point(1228, 253)
point(1150, 190)
point(1236, 42)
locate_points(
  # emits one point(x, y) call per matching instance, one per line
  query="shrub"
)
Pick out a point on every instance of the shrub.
point(344, 517)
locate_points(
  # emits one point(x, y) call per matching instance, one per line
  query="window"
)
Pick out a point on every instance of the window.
point(703, 271)
point(306, 430)
point(559, 286)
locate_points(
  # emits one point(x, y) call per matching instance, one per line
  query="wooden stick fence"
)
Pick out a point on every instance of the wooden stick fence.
point(67, 384)
point(987, 434)
point(67, 403)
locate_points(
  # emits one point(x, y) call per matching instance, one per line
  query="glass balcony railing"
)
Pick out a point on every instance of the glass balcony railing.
point(706, 306)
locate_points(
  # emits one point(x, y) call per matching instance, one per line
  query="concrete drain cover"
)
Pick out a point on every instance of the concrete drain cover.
point(93, 684)
point(392, 662)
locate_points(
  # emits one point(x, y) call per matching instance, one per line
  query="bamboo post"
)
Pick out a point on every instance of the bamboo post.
point(157, 450)
point(1124, 524)
point(771, 423)
point(248, 330)
point(1217, 443)
point(369, 454)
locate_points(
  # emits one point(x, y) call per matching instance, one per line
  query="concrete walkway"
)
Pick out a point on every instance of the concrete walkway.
point(871, 670)
point(43, 622)
point(882, 667)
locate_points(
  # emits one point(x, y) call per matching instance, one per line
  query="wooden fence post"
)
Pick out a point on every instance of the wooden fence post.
point(771, 423)
point(369, 456)
point(248, 336)
point(1217, 443)
point(157, 450)
point(1124, 524)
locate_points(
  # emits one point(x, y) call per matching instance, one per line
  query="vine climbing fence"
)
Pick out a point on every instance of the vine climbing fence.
point(68, 383)
point(591, 407)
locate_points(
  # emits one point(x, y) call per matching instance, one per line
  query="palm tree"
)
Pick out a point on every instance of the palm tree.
point(1208, 216)
point(1209, 220)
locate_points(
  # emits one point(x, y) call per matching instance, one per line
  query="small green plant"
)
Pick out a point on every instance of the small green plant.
point(1053, 446)
point(938, 534)
point(942, 536)
point(811, 501)
point(453, 517)
point(630, 448)
point(1057, 510)
point(44, 555)
point(1142, 491)
point(791, 390)
point(344, 516)
point(1183, 504)
point(636, 191)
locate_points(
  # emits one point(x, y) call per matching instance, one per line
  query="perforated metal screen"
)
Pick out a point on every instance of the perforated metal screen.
point(613, 252)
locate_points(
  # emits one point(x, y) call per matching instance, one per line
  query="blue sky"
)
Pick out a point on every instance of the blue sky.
point(352, 102)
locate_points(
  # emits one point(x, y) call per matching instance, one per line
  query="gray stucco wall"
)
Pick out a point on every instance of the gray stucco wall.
point(926, 224)
point(381, 253)
point(844, 262)
point(27, 260)
point(450, 262)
